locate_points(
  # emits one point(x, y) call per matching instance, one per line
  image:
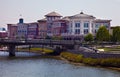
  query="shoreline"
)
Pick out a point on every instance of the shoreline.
point(82, 64)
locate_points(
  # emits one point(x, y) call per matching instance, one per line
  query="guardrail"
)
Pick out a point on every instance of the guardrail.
point(59, 42)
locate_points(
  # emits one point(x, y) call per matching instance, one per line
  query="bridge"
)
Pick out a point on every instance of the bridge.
point(11, 44)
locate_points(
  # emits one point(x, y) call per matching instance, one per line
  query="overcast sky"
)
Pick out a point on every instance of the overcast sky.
point(33, 10)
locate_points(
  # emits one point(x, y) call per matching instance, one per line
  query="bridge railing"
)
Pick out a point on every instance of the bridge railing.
point(45, 41)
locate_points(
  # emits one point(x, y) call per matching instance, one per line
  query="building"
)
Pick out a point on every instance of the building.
point(82, 24)
point(98, 22)
point(59, 27)
point(12, 31)
point(32, 30)
point(42, 28)
point(69, 27)
point(50, 18)
point(22, 29)
point(3, 33)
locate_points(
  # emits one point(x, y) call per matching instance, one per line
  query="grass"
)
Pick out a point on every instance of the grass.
point(44, 50)
point(108, 62)
point(72, 57)
point(109, 49)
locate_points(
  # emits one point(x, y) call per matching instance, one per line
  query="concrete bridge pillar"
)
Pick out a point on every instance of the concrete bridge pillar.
point(11, 50)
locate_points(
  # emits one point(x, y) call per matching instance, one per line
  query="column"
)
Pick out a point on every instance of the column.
point(73, 27)
point(82, 28)
point(90, 27)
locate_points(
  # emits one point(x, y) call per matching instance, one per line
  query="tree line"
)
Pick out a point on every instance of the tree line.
point(103, 35)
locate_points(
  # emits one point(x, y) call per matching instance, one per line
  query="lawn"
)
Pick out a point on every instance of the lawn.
point(110, 49)
point(44, 50)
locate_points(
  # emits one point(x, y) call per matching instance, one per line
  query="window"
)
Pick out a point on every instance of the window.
point(106, 26)
point(49, 26)
point(96, 26)
point(49, 31)
point(62, 24)
point(85, 31)
point(77, 25)
point(62, 31)
point(96, 30)
point(77, 31)
point(86, 25)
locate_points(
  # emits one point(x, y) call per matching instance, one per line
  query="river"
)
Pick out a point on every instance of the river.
point(29, 66)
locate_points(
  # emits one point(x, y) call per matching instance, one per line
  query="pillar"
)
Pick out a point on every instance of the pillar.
point(11, 50)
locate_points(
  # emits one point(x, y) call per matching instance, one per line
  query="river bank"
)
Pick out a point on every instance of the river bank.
point(110, 63)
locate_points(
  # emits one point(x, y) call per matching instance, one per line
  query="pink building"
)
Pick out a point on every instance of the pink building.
point(42, 28)
point(32, 30)
point(3, 34)
point(50, 18)
point(59, 27)
point(12, 31)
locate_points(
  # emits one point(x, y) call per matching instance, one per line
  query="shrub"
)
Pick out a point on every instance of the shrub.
point(72, 57)
point(110, 62)
point(91, 61)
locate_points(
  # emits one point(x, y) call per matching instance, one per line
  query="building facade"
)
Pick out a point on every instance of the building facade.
point(82, 24)
point(42, 28)
point(3, 33)
point(32, 30)
point(59, 27)
point(98, 23)
point(50, 18)
point(69, 27)
point(12, 31)
point(22, 30)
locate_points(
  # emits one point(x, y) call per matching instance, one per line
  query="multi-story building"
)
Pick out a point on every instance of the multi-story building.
point(42, 28)
point(12, 31)
point(59, 27)
point(3, 33)
point(70, 27)
point(32, 30)
point(98, 22)
point(82, 24)
point(22, 29)
point(50, 18)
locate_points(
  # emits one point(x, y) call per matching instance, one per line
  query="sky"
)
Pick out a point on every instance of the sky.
point(33, 10)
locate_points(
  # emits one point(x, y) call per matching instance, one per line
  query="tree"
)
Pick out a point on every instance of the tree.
point(103, 34)
point(116, 34)
point(88, 37)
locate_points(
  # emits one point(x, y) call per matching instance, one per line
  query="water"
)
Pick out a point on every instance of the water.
point(48, 67)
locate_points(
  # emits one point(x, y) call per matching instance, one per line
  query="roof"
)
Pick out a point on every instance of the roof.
point(60, 20)
point(82, 15)
point(66, 18)
point(53, 14)
point(101, 20)
point(42, 20)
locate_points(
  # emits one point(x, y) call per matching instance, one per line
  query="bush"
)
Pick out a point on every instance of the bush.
point(91, 61)
point(110, 62)
point(72, 57)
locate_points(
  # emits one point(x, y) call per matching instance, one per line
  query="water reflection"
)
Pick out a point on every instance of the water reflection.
point(48, 67)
